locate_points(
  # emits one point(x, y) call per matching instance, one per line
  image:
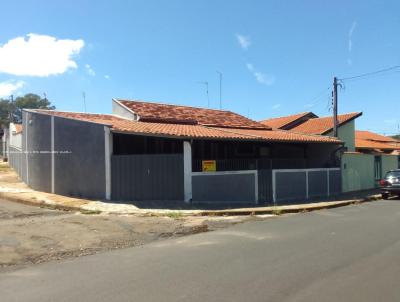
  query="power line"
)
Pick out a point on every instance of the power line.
point(370, 73)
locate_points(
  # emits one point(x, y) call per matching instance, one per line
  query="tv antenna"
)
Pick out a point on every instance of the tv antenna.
point(84, 100)
point(220, 89)
point(205, 83)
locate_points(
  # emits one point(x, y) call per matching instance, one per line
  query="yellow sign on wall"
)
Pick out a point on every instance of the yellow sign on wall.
point(209, 165)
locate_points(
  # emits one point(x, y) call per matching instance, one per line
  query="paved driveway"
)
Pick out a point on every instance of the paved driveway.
point(344, 254)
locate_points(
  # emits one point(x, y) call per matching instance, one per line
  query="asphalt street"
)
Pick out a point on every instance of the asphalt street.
point(344, 254)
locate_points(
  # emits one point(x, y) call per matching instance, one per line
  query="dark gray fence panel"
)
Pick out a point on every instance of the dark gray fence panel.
point(335, 182)
point(317, 183)
point(17, 160)
point(224, 188)
point(290, 186)
point(147, 177)
point(265, 185)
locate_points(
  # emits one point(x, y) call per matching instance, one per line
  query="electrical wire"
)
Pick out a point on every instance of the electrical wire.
point(370, 73)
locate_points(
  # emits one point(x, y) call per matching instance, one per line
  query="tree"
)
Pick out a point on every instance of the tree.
point(12, 111)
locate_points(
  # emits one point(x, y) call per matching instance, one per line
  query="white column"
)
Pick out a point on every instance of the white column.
point(107, 156)
point(187, 170)
point(52, 156)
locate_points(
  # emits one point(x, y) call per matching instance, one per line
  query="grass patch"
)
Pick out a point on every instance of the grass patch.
point(277, 211)
point(4, 168)
point(90, 212)
point(175, 215)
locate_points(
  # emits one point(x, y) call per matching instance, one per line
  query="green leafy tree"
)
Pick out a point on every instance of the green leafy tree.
point(12, 111)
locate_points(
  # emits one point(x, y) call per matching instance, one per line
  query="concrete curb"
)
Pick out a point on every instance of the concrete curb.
point(86, 207)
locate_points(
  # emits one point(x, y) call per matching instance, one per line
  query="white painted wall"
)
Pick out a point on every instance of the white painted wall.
point(15, 139)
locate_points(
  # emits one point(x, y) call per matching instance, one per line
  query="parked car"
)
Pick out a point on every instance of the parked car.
point(390, 185)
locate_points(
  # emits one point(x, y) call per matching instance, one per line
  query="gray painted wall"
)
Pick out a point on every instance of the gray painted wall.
point(290, 186)
point(38, 148)
point(335, 182)
point(226, 188)
point(317, 183)
point(147, 177)
point(81, 171)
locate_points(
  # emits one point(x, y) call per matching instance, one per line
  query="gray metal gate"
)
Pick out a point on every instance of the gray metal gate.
point(302, 184)
point(147, 177)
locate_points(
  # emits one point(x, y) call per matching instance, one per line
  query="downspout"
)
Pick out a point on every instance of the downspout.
point(333, 154)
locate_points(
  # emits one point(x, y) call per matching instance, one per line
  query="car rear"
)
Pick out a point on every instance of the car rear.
point(390, 185)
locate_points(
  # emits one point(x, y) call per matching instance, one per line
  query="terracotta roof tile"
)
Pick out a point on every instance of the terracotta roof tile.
point(18, 128)
point(367, 135)
point(118, 124)
point(154, 112)
point(280, 122)
point(323, 125)
point(369, 144)
point(285, 136)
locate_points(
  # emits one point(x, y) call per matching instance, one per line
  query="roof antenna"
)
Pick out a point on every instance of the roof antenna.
point(84, 100)
point(220, 89)
point(208, 97)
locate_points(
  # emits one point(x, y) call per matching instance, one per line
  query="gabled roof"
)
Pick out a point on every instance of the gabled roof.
point(165, 113)
point(285, 121)
point(374, 141)
point(367, 135)
point(368, 144)
point(323, 125)
point(121, 125)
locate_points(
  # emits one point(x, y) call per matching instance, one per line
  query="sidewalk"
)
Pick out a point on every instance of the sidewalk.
point(12, 188)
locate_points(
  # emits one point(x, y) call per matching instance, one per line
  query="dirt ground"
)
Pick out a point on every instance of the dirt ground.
point(31, 235)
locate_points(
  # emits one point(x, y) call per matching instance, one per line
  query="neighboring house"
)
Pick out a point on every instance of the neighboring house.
point(373, 143)
point(151, 151)
point(14, 146)
point(367, 157)
point(309, 123)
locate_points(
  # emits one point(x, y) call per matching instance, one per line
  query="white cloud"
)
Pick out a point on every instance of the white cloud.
point(391, 121)
point(38, 55)
point(244, 41)
point(350, 40)
point(107, 77)
point(90, 70)
point(262, 78)
point(9, 87)
point(276, 106)
point(351, 31)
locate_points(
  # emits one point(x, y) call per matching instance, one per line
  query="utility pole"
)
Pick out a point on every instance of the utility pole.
point(11, 114)
point(335, 107)
point(220, 89)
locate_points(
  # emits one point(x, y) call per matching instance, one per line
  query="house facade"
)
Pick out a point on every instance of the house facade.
point(151, 151)
point(366, 156)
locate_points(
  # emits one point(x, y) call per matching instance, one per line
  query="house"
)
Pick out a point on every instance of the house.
point(373, 143)
point(153, 151)
point(367, 156)
point(309, 123)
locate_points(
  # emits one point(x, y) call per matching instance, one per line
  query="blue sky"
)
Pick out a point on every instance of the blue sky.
point(277, 57)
